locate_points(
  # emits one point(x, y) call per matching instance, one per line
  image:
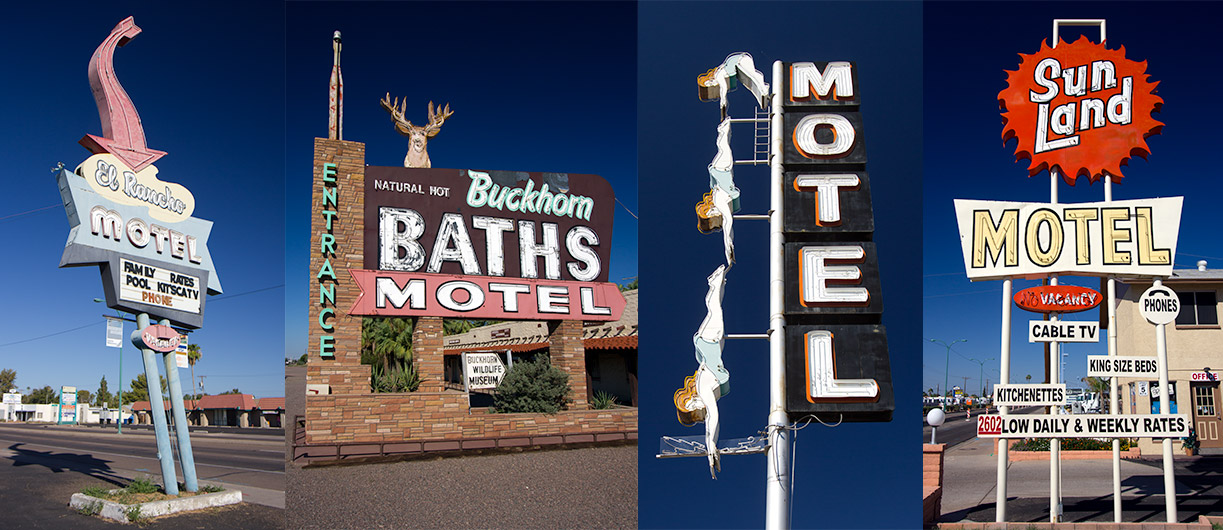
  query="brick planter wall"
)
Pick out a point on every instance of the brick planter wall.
point(1019, 456)
point(376, 418)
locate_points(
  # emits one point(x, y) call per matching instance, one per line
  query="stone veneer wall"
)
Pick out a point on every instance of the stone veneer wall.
point(442, 416)
point(344, 373)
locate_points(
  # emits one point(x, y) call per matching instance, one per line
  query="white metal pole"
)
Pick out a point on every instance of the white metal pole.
point(1005, 369)
point(777, 455)
point(1055, 361)
point(1165, 407)
point(1114, 407)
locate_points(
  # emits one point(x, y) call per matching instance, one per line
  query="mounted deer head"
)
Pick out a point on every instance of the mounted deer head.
point(418, 156)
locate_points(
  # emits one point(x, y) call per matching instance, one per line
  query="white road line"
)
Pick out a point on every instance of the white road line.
point(135, 456)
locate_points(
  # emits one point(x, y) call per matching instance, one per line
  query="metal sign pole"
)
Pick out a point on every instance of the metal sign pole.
point(1165, 407)
point(157, 409)
point(1055, 358)
point(1114, 407)
point(777, 456)
point(1005, 369)
point(185, 456)
point(121, 376)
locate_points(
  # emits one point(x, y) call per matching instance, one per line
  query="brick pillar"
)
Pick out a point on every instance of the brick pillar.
point(567, 353)
point(344, 372)
point(427, 354)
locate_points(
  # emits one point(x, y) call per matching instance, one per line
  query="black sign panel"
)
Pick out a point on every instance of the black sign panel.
point(807, 265)
point(850, 213)
point(822, 72)
point(114, 277)
point(836, 347)
point(859, 354)
point(818, 130)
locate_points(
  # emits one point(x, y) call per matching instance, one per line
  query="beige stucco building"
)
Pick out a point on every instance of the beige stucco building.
point(1195, 353)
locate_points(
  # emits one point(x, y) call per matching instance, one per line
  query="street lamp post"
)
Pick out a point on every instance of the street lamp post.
point(120, 313)
point(947, 371)
point(982, 374)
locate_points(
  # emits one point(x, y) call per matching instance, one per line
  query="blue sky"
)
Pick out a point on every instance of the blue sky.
point(533, 87)
point(208, 85)
point(965, 158)
point(841, 470)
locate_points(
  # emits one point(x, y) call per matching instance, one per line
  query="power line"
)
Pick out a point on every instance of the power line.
point(49, 335)
point(630, 212)
point(958, 294)
point(28, 212)
point(227, 297)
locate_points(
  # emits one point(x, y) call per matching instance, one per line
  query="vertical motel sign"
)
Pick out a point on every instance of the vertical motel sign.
point(836, 347)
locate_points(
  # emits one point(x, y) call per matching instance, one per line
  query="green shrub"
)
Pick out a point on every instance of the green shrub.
point(142, 485)
point(1070, 444)
point(96, 491)
point(532, 386)
point(398, 378)
point(210, 488)
point(133, 513)
point(603, 400)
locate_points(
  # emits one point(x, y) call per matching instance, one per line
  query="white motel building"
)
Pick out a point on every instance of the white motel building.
point(1195, 354)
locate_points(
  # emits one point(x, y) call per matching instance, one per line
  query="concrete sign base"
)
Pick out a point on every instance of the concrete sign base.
point(119, 512)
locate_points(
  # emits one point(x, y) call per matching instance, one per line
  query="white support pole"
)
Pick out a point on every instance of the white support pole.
point(1055, 362)
point(1005, 369)
point(777, 455)
point(1165, 407)
point(1114, 406)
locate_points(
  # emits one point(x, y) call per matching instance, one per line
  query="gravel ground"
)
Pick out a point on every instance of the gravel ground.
point(575, 488)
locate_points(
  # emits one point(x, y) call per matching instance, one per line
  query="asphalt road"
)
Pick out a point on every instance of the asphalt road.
point(1087, 486)
point(576, 488)
point(254, 464)
point(956, 429)
point(43, 466)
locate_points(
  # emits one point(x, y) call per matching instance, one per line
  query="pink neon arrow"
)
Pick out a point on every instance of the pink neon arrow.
point(122, 134)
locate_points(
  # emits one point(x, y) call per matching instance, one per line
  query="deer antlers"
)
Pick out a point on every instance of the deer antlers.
point(405, 127)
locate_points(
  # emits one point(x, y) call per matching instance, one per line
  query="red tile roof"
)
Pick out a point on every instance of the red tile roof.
point(276, 403)
point(146, 405)
point(229, 401)
point(224, 401)
point(611, 343)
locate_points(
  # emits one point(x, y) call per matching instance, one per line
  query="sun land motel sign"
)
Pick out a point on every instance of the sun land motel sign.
point(1075, 110)
point(457, 243)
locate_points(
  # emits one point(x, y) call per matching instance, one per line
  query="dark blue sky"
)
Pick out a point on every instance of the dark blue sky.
point(965, 158)
point(208, 84)
point(841, 471)
point(533, 87)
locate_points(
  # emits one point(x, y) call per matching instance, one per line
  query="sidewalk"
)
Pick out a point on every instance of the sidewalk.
point(970, 481)
point(245, 433)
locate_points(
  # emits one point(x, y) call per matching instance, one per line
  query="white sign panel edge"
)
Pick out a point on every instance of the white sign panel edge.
point(1035, 394)
point(1083, 426)
point(1122, 366)
point(1066, 331)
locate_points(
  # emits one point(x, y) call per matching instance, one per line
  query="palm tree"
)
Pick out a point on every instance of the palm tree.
point(193, 356)
point(1029, 378)
point(386, 340)
point(1100, 387)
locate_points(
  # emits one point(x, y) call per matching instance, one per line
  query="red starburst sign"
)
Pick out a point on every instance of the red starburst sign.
point(1080, 108)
